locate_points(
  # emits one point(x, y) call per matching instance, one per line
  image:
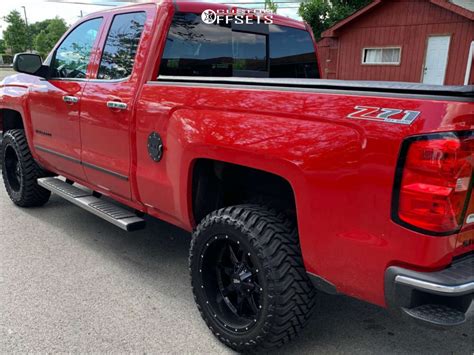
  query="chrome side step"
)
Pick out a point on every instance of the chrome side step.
point(116, 215)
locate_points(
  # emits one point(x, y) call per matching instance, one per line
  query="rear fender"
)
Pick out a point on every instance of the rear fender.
point(289, 148)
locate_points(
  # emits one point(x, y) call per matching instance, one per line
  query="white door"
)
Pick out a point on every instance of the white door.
point(436, 60)
point(469, 64)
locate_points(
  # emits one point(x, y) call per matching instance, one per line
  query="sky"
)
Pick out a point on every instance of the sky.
point(38, 10)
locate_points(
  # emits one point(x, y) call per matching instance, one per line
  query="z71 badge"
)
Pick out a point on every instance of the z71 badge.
point(383, 114)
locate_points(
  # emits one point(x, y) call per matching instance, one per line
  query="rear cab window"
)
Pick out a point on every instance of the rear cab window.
point(194, 48)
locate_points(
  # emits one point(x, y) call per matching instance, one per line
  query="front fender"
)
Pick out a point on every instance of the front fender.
point(14, 91)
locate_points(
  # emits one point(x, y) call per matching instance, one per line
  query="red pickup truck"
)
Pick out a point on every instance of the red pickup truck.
point(290, 184)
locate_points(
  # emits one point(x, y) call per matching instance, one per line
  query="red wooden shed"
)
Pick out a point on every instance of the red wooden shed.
point(429, 41)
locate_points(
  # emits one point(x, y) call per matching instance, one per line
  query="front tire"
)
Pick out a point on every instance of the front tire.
point(248, 277)
point(20, 171)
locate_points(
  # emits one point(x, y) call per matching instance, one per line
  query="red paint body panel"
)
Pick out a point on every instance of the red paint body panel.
point(60, 120)
point(341, 170)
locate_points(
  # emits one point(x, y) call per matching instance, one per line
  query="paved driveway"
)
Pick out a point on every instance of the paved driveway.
point(71, 282)
point(5, 72)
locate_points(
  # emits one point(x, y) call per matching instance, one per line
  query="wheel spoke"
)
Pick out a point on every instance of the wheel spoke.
point(252, 304)
point(233, 257)
point(243, 259)
point(220, 284)
point(224, 293)
point(248, 286)
point(240, 303)
point(219, 297)
point(18, 171)
point(245, 275)
point(257, 288)
point(231, 306)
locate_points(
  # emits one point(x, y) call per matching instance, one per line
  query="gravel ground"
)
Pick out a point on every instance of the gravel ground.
point(70, 282)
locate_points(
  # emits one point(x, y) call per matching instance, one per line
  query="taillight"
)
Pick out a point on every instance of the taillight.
point(434, 182)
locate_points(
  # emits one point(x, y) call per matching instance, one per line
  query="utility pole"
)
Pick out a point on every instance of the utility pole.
point(27, 28)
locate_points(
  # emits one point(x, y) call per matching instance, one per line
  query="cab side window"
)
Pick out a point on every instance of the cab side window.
point(73, 55)
point(121, 46)
point(194, 48)
point(292, 53)
point(249, 54)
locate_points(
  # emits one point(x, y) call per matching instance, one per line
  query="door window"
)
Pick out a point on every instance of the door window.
point(121, 46)
point(73, 55)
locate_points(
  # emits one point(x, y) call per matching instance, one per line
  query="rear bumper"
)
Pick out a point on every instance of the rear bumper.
point(438, 298)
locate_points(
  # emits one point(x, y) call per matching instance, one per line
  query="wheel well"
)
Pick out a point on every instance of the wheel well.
point(10, 119)
point(217, 184)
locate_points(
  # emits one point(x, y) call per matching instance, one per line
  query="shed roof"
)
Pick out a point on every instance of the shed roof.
point(332, 31)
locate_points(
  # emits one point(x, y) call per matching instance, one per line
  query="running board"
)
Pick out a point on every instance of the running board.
point(436, 314)
point(116, 215)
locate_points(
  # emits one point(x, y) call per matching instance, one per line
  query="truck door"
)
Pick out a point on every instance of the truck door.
point(56, 102)
point(107, 107)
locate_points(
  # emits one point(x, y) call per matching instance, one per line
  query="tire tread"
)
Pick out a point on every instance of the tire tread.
point(291, 291)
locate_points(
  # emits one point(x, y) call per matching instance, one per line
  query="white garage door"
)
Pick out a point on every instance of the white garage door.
point(436, 60)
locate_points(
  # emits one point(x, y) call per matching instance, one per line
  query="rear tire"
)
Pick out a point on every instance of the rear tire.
point(20, 171)
point(248, 277)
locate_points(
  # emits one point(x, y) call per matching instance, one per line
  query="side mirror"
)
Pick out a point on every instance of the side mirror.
point(28, 63)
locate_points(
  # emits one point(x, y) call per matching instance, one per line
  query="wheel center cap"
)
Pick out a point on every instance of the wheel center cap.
point(237, 277)
point(240, 278)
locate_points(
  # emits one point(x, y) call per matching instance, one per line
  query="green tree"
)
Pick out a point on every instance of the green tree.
point(322, 14)
point(46, 33)
point(270, 5)
point(41, 44)
point(15, 35)
point(2, 46)
point(37, 27)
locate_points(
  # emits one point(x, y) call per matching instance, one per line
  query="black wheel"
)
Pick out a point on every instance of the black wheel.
point(20, 171)
point(248, 277)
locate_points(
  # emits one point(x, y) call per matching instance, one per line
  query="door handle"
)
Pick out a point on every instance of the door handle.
point(70, 99)
point(117, 105)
